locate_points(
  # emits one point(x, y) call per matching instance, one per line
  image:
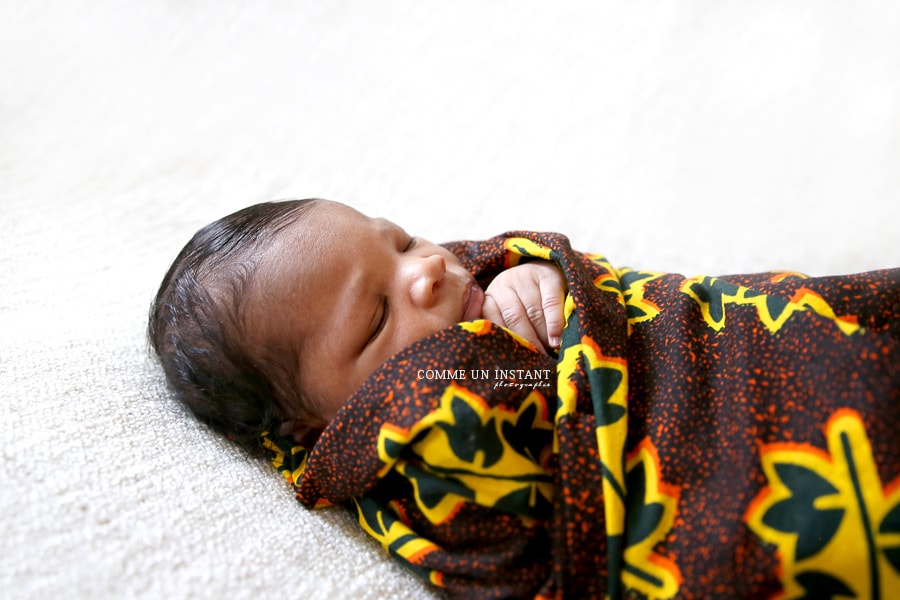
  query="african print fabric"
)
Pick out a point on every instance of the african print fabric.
point(695, 437)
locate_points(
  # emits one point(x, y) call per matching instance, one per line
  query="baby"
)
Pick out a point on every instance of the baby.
point(688, 413)
point(270, 318)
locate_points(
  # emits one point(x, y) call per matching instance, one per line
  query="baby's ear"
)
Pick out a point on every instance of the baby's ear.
point(302, 433)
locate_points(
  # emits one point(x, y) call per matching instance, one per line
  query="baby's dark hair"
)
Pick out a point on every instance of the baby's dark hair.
point(197, 327)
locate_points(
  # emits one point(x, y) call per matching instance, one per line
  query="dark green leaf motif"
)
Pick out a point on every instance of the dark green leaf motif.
point(467, 435)
point(434, 488)
point(714, 293)
point(632, 310)
point(539, 507)
point(393, 448)
point(606, 382)
point(776, 306)
point(526, 439)
point(891, 525)
point(822, 586)
point(641, 518)
point(798, 514)
point(372, 513)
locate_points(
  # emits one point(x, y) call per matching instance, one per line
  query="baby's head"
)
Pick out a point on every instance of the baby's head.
point(270, 318)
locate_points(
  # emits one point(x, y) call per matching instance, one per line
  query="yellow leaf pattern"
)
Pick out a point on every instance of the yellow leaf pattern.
point(834, 523)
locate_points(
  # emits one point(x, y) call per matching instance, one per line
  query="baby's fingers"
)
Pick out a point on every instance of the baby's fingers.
point(553, 299)
point(514, 316)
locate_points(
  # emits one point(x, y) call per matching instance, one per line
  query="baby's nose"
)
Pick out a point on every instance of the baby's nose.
point(430, 272)
point(436, 265)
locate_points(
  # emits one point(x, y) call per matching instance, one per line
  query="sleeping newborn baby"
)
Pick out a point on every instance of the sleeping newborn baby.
point(270, 318)
point(689, 433)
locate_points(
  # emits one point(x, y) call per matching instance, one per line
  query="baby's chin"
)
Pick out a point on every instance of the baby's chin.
point(472, 302)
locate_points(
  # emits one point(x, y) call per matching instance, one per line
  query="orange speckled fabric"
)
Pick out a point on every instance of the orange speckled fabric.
point(695, 437)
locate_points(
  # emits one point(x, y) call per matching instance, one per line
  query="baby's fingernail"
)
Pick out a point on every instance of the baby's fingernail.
point(554, 341)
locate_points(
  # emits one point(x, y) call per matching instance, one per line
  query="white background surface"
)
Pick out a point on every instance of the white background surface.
point(698, 137)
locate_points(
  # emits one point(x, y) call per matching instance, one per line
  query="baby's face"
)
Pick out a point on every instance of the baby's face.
point(351, 291)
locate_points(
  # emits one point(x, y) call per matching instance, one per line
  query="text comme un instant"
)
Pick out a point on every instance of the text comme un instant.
point(503, 374)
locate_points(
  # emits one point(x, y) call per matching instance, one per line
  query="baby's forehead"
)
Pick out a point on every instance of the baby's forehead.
point(326, 233)
point(350, 224)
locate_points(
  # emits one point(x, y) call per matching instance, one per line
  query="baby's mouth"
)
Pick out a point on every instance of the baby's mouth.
point(472, 301)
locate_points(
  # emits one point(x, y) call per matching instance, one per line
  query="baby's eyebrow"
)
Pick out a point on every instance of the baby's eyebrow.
point(387, 226)
point(382, 224)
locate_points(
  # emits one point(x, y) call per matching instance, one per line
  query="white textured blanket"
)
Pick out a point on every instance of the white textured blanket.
point(733, 137)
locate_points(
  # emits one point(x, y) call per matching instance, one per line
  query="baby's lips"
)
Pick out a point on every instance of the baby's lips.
point(472, 302)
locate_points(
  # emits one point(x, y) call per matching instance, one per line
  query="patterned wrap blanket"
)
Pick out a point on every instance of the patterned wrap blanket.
point(695, 437)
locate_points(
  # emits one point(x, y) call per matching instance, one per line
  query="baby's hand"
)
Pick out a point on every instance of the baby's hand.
point(528, 299)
